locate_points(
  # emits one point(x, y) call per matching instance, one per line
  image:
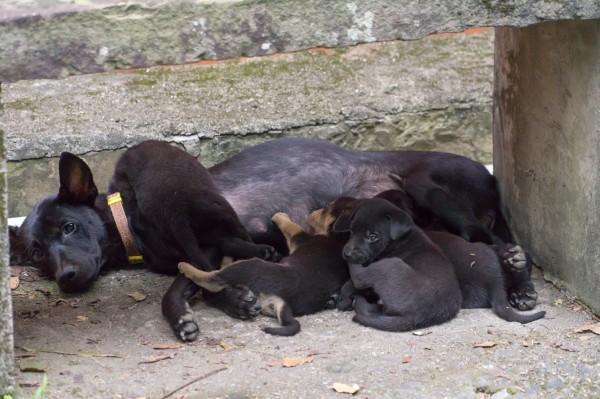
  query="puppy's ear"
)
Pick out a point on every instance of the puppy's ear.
point(342, 223)
point(76, 181)
point(400, 224)
point(18, 250)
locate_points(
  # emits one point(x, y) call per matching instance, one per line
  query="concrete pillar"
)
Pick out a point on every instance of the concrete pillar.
point(547, 146)
point(6, 325)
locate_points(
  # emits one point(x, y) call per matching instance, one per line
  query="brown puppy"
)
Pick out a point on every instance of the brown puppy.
point(388, 253)
point(301, 284)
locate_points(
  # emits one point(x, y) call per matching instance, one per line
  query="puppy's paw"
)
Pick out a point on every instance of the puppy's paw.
point(513, 258)
point(238, 302)
point(523, 298)
point(280, 217)
point(267, 252)
point(186, 328)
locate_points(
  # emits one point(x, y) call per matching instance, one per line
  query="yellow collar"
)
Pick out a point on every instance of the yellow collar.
point(116, 207)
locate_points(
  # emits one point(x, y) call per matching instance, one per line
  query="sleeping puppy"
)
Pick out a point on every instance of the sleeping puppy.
point(480, 274)
point(301, 284)
point(413, 279)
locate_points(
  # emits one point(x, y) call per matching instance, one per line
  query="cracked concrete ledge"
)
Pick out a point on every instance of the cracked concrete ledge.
point(432, 94)
point(52, 39)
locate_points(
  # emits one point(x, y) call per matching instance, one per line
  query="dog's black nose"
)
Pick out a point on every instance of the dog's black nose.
point(65, 275)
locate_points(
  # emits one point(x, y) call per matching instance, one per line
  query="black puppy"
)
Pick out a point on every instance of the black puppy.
point(483, 280)
point(174, 211)
point(415, 282)
point(458, 192)
point(301, 284)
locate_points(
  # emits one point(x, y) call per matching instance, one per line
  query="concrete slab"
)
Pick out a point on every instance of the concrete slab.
point(68, 335)
point(54, 38)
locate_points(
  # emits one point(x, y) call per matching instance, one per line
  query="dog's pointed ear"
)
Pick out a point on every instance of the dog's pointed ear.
point(342, 223)
point(76, 181)
point(400, 224)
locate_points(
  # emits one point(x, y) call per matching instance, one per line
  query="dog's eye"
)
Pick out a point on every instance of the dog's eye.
point(37, 255)
point(373, 237)
point(68, 228)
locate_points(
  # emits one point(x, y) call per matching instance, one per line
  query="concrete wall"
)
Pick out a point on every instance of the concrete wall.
point(6, 324)
point(547, 146)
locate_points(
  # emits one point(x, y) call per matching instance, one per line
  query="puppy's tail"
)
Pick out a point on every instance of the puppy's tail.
point(276, 307)
point(208, 280)
point(502, 308)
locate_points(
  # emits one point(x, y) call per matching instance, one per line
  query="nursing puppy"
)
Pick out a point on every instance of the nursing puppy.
point(414, 281)
point(301, 284)
point(457, 192)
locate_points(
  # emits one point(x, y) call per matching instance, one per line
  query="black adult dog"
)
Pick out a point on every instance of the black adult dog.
point(175, 213)
point(297, 176)
point(483, 280)
point(302, 283)
point(294, 176)
point(414, 281)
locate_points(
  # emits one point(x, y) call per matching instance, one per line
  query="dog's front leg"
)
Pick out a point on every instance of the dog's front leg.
point(360, 276)
point(346, 296)
point(176, 310)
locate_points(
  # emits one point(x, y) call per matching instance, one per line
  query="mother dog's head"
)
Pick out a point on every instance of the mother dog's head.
point(65, 235)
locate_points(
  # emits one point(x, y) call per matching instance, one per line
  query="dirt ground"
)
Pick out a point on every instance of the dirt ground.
point(104, 344)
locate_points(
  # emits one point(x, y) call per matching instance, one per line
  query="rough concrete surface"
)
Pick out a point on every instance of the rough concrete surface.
point(433, 94)
point(50, 39)
point(547, 147)
point(74, 337)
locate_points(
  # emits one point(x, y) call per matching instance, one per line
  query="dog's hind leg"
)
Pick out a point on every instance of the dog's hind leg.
point(176, 310)
point(236, 300)
point(517, 267)
point(208, 280)
point(275, 306)
point(288, 228)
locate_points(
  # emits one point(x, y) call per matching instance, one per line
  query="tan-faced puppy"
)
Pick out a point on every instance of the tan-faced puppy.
point(301, 284)
point(387, 252)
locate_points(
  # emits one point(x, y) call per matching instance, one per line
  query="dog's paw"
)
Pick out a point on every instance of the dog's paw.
point(513, 258)
point(186, 328)
point(332, 301)
point(240, 302)
point(267, 252)
point(524, 298)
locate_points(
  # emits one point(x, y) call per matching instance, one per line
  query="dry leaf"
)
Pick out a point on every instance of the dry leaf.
point(138, 296)
point(33, 365)
point(595, 328)
point(82, 318)
point(486, 344)
point(225, 345)
point(406, 359)
point(558, 302)
point(167, 346)
point(14, 282)
point(343, 388)
point(297, 361)
point(154, 359)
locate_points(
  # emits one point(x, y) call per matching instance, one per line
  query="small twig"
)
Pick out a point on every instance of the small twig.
point(194, 381)
point(85, 354)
